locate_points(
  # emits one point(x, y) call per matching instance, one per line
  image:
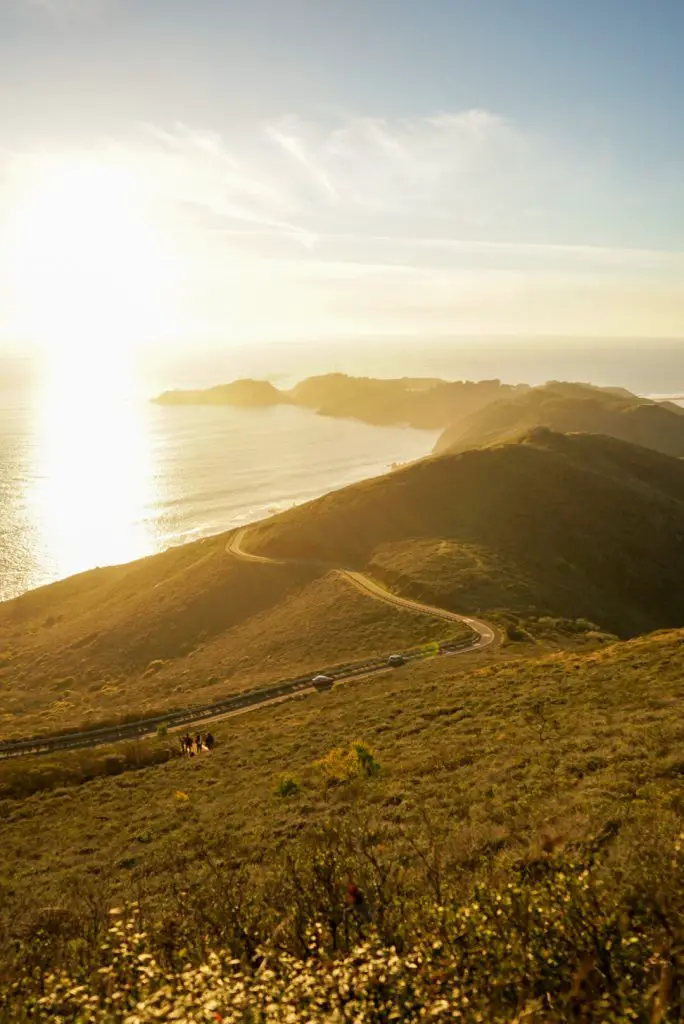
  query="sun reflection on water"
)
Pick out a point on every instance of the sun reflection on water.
point(92, 489)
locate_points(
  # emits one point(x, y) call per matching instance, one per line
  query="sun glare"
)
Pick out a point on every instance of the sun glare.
point(89, 268)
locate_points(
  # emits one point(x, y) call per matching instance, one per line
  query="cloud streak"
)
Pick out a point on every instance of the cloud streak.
point(453, 223)
point(67, 8)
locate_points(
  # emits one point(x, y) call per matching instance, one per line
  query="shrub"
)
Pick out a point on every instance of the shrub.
point(162, 730)
point(368, 765)
point(287, 786)
point(344, 764)
point(516, 634)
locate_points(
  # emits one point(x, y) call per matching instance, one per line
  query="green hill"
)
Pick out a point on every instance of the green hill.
point(569, 408)
point(553, 524)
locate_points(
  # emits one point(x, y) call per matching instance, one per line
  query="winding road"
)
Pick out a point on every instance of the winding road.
point(483, 636)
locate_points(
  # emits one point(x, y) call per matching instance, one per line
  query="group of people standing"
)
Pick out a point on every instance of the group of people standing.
point(194, 746)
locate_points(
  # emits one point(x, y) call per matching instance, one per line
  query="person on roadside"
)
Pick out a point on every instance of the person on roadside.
point(209, 741)
point(198, 743)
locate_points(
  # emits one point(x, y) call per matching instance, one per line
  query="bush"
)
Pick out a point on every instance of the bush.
point(344, 764)
point(287, 786)
point(21, 777)
point(368, 765)
point(516, 634)
point(162, 730)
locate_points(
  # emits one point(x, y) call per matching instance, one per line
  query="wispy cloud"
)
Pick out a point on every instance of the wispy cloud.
point(66, 8)
point(448, 175)
point(457, 222)
point(439, 188)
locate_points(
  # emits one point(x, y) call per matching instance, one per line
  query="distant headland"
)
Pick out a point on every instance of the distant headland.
point(470, 414)
point(425, 403)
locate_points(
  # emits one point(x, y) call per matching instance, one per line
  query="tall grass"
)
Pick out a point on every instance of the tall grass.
point(339, 931)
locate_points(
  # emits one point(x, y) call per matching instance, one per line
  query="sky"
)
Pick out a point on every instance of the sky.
point(194, 171)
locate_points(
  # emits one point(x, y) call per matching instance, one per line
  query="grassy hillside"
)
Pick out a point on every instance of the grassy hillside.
point(553, 524)
point(570, 408)
point(185, 626)
point(424, 403)
point(542, 799)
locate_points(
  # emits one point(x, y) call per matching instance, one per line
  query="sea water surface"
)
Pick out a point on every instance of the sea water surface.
point(99, 475)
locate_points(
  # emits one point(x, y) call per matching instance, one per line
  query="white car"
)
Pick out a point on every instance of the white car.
point(395, 660)
point(322, 682)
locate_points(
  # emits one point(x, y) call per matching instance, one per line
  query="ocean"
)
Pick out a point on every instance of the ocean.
point(100, 477)
point(93, 473)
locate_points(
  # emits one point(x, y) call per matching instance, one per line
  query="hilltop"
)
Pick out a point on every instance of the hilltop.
point(551, 524)
point(425, 403)
point(570, 408)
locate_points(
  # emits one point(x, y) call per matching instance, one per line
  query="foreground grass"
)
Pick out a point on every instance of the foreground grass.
point(557, 941)
point(522, 773)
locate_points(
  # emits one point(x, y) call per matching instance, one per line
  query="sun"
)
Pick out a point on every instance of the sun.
point(88, 267)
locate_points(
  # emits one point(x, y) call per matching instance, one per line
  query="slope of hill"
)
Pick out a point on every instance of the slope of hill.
point(572, 525)
point(186, 626)
point(528, 814)
point(570, 408)
point(424, 403)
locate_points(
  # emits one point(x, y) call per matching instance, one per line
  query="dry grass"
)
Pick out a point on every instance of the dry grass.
point(489, 759)
point(555, 525)
point(183, 627)
point(548, 790)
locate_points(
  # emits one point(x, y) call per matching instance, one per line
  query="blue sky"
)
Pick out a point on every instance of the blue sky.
point(442, 166)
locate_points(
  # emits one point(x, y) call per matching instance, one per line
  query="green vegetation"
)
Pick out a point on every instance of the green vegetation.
point(287, 786)
point(521, 845)
point(554, 525)
point(560, 941)
point(20, 778)
point(187, 626)
point(570, 408)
